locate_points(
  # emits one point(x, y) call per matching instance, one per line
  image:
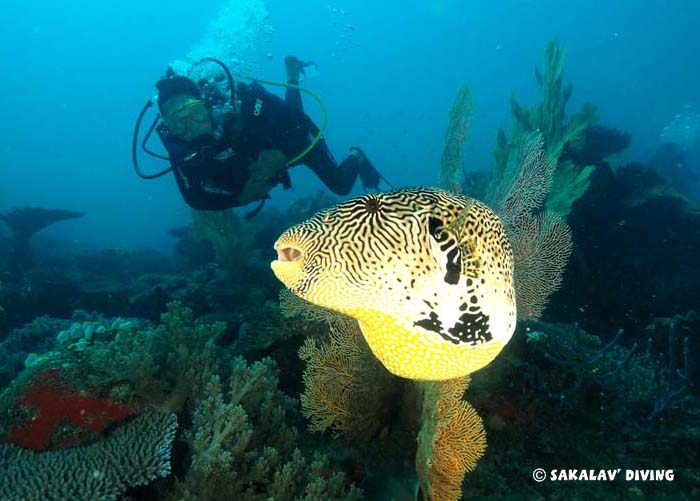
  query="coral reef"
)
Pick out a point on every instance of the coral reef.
point(570, 179)
point(635, 254)
point(140, 283)
point(38, 336)
point(25, 222)
point(88, 401)
point(53, 404)
point(541, 240)
point(451, 440)
point(597, 144)
point(558, 388)
point(228, 235)
point(126, 361)
point(133, 454)
point(242, 446)
point(235, 442)
point(263, 329)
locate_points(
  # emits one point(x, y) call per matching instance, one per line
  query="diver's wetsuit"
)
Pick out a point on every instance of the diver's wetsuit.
point(211, 174)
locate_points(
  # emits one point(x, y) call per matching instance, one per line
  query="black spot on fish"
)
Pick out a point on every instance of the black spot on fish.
point(432, 323)
point(471, 328)
point(453, 266)
point(434, 225)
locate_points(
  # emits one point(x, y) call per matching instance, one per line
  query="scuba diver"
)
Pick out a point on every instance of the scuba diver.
point(224, 159)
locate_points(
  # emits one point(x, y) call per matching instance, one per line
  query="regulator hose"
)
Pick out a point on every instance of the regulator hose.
point(135, 140)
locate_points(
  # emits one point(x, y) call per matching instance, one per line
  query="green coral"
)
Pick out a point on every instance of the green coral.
point(160, 365)
point(134, 454)
point(130, 362)
point(548, 117)
point(243, 448)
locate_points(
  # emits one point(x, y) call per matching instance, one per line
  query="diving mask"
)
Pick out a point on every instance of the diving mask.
point(188, 119)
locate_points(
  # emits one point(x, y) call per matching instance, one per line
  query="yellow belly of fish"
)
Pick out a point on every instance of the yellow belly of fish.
point(417, 354)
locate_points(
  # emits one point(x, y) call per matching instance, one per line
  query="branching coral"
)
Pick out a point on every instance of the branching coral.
point(451, 440)
point(242, 448)
point(159, 365)
point(134, 454)
point(264, 328)
point(131, 364)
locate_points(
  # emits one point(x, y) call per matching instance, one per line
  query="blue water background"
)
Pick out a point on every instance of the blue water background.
point(74, 75)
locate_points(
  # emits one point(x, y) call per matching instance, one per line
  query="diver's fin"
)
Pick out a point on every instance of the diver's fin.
point(295, 67)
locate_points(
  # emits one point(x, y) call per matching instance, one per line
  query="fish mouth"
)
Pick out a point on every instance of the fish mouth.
point(288, 253)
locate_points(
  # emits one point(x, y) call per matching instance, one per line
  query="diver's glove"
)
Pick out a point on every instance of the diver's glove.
point(369, 176)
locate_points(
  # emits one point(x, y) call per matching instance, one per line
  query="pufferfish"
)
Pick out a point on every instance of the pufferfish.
point(427, 274)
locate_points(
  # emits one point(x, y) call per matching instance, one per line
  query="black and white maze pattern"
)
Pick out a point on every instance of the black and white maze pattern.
point(472, 326)
point(363, 237)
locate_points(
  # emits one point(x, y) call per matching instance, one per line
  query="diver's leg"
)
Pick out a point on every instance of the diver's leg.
point(338, 178)
point(292, 96)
